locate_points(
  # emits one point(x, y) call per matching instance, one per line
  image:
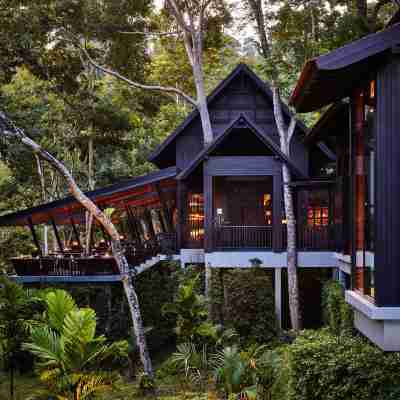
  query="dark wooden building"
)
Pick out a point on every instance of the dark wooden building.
point(362, 81)
point(221, 205)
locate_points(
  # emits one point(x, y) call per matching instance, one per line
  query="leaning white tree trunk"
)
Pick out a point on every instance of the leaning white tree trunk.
point(191, 22)
point(8, 129)
point(285, 137)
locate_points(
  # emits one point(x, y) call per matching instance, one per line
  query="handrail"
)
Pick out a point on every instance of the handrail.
point(67, 265)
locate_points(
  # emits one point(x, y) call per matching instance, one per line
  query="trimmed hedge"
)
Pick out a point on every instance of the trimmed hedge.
point(322, 366)
point(244, 300)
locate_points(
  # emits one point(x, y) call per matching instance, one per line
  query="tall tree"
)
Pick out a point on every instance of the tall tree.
point(190, 24)
point(9, 130)
point(286, 132)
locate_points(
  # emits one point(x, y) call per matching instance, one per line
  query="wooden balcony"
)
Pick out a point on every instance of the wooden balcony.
point(242, 237)
point(309, 238)
point(75, 264)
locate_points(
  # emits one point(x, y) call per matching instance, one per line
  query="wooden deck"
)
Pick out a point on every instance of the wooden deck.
point(96, 268)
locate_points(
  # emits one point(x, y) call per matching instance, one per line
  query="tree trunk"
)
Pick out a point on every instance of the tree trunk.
point(12, 378)
point(89, 228)
point(285, 136)
point(202, 103)
point(108, 294)
point(293, 284)
point(43, 187)
point(10, 130)
point(134, 309)
point(361, 8)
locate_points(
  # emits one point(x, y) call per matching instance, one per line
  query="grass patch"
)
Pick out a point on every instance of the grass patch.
point(24, 386)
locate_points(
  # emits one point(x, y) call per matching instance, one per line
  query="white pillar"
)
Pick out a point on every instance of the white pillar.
point(278, 296)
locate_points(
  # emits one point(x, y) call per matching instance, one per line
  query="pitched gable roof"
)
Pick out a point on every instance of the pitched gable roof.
point(241, 122)
point(241, 68)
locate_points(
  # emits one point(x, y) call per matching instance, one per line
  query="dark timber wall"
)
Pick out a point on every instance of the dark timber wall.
point(387, 254)
point(241, 96)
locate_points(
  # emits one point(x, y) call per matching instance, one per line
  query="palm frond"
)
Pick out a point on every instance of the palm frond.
point(59, 303)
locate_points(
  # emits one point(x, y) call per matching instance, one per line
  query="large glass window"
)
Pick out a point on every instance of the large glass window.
point(196, 216)
point(369, 167)
point(317, 216)
point(364, 190)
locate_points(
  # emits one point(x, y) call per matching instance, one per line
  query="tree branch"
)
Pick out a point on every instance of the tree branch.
point(166, 89)
point(9, 130)
point(291, 129)
point(376, 9)
point(150, 33)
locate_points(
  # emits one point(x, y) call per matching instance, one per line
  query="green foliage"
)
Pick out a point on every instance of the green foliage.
point(40, 46)
point(17, 317)
point(191, 314)
point(193, 361)
point(243, 299)
point(248, 371)
point(156, 287)
point(324, 366)
point(338, 314)
point(146, 385)
point(70, 355)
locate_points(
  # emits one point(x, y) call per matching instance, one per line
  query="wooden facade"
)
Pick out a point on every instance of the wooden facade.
point(225, 197)
point(365, 77)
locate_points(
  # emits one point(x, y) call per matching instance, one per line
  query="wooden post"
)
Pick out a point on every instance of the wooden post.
point(104, 233)
point(181, 204)
point(149, 219)
point(34, 236)
point(208, 213)
point(135, 225)
point(76, 233)
point(165, 210)
point(277, 200)
point(278, 296)
point(302, 208)
point(59, 242)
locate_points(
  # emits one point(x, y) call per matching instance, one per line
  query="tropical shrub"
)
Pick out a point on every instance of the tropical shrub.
point(248, 371)
point(244, 300)
point(322, 366)
point(190, 310)
point(71, 358)
point(338, 315)
point(156, 287)
point(16, 319)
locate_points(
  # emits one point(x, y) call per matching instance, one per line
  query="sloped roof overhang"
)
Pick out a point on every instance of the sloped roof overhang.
point(332, 77)
point(137, 191)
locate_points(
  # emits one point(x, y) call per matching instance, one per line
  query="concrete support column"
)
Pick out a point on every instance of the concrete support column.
point(278, 295)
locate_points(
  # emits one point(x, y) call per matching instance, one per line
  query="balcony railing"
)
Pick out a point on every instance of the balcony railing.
point(74, 264)
point(315, 238)
point(65, 266)
point(238, 237)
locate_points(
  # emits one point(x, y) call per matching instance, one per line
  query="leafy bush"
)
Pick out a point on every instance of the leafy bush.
point(338, 314)
point(156, 287)
point(70, 355)
point(191, 314)
point(244, 300)
point(322, 366)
